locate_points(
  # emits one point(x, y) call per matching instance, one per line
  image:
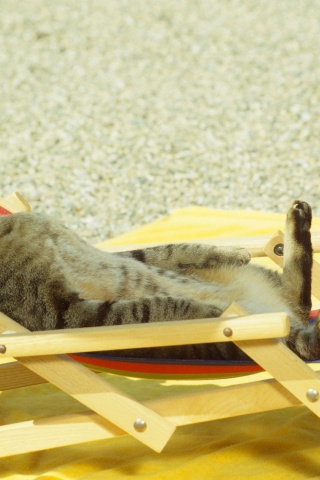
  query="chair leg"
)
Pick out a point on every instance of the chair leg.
point(98, 395)
point(288, 369)
point(284, 365)
point(184, 409)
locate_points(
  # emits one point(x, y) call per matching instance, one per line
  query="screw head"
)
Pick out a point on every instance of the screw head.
point(3, 349)
point(312, 395)
point(228, 332)
point(140, 425)
point(278, 249)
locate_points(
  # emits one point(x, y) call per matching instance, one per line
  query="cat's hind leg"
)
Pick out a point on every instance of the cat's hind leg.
point(89, 313)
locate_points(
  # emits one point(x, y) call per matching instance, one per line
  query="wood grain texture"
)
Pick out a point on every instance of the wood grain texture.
point(97, 394)
point(208, 330)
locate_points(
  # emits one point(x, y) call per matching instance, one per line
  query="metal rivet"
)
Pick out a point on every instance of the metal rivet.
point(140, 425)
point(3, 349)
point(278, 249)
point(312, 395)
point(227, 332)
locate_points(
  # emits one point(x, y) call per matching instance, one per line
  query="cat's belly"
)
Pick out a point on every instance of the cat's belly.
point(256, 296)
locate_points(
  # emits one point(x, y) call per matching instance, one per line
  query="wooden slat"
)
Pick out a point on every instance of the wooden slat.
point(316, 279)
point(15, 375)
point(270, 246)
point(15, 203)
point(139, 335)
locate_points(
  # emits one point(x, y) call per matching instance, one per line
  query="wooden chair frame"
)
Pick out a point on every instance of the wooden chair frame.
point(109, 412)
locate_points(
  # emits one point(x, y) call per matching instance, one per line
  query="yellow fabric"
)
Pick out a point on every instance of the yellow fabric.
point(282, 444)
point(196, 223)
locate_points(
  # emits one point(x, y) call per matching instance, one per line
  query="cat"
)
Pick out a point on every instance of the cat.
point(52, 279)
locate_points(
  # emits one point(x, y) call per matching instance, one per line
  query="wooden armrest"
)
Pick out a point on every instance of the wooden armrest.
point(271, 325)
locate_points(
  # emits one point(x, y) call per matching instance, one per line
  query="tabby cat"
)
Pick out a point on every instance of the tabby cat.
point(51, 279)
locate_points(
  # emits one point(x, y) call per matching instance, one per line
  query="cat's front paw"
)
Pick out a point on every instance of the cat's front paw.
point(228, 256)
point(241, 256)
point(300, 214)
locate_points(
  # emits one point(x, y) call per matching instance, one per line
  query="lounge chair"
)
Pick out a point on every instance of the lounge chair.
point(108, 411)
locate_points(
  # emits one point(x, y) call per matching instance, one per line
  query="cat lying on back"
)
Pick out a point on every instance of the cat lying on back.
point(51, 279)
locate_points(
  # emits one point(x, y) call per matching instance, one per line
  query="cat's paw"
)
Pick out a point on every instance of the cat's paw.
point(300, 214)
point(228, 256)
point(241, 256)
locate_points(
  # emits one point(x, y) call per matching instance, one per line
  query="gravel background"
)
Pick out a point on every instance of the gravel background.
point(116, 112)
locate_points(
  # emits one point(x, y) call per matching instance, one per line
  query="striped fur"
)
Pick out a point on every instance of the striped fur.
point(50, 278)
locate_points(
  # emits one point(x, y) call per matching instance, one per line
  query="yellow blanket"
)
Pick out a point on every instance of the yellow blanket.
point(282, 444)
